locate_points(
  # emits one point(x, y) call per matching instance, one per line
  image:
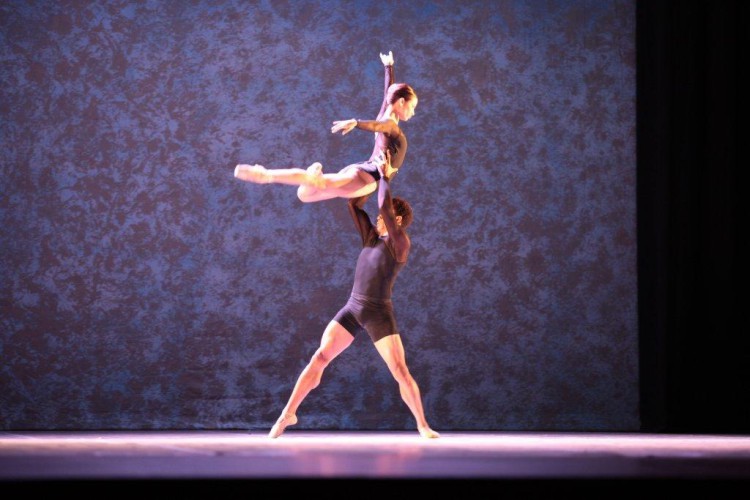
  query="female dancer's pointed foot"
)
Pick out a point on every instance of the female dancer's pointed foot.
point(428, 433)
point(281, 424)
point(252, 173)
point(314, 176)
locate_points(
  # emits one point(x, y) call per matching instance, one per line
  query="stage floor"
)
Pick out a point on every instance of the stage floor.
point(58, 458)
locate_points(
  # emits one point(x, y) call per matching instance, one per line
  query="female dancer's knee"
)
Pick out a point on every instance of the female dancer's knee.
point(305, 194)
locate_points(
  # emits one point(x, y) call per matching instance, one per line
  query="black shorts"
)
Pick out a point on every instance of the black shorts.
point(375, 316)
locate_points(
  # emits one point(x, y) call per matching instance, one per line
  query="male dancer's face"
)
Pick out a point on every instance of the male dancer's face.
point(380, 225)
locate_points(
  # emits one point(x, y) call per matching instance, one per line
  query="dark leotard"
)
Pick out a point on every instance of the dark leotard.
point(380, 260)
point(389, 135)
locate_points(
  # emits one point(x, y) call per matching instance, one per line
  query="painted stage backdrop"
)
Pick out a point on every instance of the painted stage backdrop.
point(144, 287)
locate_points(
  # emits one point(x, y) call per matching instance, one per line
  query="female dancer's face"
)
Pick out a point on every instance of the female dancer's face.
point(405, 109)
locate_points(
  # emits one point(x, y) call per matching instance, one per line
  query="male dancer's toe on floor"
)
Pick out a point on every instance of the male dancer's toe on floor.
point(281, 425)
point(428, 433)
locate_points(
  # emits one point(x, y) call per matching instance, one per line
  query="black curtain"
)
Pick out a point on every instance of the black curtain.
point(694, 361)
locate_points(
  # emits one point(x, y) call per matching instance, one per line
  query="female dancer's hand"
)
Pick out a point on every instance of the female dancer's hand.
point(344, 126)
point(387, 59)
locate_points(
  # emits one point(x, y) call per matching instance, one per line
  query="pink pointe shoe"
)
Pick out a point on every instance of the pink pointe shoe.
point(252, 173)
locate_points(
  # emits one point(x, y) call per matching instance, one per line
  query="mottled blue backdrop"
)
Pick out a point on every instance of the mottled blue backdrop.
point(144, 287)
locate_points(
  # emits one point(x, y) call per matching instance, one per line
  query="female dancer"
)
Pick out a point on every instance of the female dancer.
point(358, 179)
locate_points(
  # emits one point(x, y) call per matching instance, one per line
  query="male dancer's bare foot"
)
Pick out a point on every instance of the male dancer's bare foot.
point(428, 433)
point(281, 424)
point(314, 176)
point(252, 173)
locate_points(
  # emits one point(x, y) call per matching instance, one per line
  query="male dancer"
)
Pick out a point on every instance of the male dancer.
point(385, 249)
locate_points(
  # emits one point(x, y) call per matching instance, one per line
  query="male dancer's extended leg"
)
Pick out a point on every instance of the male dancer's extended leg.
point(335, 339)
point(392, 351)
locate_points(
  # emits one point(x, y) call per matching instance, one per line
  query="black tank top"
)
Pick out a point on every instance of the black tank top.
point(376, 269)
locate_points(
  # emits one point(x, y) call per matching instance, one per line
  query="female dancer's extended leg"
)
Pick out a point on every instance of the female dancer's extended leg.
point(313, 184)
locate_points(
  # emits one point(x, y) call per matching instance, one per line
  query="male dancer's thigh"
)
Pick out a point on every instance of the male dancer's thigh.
point(391, 349)
point(335, 339)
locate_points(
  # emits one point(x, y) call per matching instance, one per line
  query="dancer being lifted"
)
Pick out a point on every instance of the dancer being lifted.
point(357, 179)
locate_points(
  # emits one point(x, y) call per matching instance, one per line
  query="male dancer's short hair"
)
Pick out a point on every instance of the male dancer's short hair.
point(401, 207)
